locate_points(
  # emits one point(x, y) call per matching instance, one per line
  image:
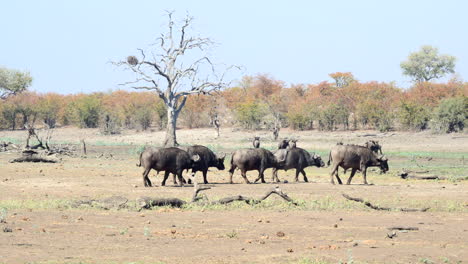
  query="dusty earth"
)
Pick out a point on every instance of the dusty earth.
point(38, 225)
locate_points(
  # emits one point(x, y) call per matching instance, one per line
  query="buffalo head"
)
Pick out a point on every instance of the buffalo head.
point(316, 160)
point(220, 162)
point(383, 163)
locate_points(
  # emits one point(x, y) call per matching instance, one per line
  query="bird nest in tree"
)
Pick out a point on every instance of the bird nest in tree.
point(132, 60)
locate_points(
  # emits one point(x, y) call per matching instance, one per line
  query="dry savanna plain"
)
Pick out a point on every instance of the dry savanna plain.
point(40, 222)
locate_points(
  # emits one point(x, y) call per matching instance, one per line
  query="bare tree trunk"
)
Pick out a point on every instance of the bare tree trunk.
point(170, 140)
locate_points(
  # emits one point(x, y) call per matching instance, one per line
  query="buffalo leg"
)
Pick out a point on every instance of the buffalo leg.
point(174, 179)
point(244, 175)
point(181, 179)
point(231, 172)
point(166, 175)
point(338, 178)
point(364, 175)
point(274, 176)
point(332, 174)
point(351, 176)
point(305, 176)
point(146, 180)
point(262, 176)
point(205, 172)
point(296, 179)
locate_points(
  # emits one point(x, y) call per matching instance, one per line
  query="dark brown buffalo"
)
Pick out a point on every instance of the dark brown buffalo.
point(207, 159)
point(355, 158)
point(256, 142)
point(169, 160)
point(296, 158)
point(252, 159)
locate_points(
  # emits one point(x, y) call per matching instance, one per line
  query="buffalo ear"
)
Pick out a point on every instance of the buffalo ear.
point(221, 157)
point(196, 157)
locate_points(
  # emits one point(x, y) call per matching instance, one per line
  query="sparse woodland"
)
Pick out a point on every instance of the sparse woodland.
point(257, 102)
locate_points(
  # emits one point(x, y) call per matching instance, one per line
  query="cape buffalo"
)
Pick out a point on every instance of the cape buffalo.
point(252, 159)
point(256, 142)
point(355, 158)
point(296, 158)
point(207, 159)
point(169, 160)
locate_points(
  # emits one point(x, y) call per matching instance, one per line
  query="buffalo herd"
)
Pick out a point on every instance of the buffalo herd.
point(175, 160)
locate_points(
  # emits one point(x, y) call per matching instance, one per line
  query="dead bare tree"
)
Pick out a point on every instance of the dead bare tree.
point(165, 64)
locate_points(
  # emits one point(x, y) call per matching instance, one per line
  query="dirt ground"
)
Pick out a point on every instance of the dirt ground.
point(325, 228)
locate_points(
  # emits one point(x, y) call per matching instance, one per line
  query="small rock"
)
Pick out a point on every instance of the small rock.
point(285, 181)
point(341, 219)
point(335, 226)
point(135, 186)
point(290, 250)
point(262, 242)
point(259, 220)
point(355, 244)
point(280, 234)
point(267, 221)
point(173, 231)
point(80, 218)
point(43, 230)
point(149, 222)
point(202, 222)
point(6, 229)
point(242, 249)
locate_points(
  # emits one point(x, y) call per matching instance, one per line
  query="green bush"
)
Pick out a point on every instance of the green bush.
point(451, 115)
point(331, 116)
point(250, 114)
point(413, 116)
point(84, 111)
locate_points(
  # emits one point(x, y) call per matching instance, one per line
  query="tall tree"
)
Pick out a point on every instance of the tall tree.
point(426, 64)
point(342, 79)
point(13, 82)
point(174, 72)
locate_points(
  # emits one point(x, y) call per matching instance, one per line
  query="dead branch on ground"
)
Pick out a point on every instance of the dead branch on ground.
point(413, 175)
point(375, 207)
point(148, 202)
point(401, 228)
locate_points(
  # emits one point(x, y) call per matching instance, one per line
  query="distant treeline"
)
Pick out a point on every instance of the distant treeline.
point(259, 102)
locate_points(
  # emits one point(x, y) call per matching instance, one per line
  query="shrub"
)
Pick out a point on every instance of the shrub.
point(413, 116)
point(84, 110)
point(250, 114)
point(451, 115)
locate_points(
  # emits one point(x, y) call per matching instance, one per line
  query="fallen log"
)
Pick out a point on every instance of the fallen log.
point(148, 202)
point(375, 207)
point(33, 159)
point(403, 228)
point(406, 175)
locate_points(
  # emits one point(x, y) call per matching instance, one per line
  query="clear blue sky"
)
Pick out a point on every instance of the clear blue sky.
point(66, 45)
